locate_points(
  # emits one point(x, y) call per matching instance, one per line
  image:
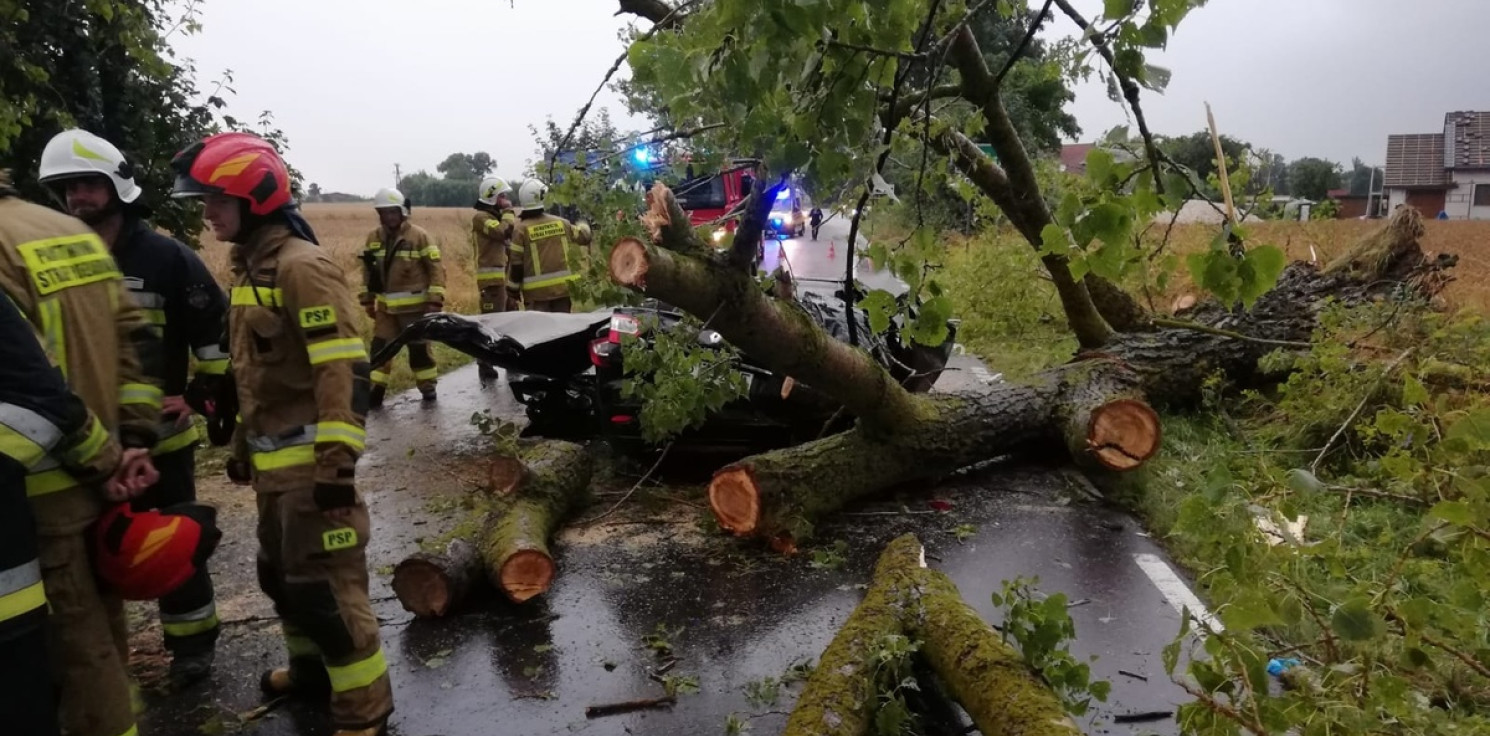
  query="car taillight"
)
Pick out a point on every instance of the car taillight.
point(602, 351)
point(621, 324)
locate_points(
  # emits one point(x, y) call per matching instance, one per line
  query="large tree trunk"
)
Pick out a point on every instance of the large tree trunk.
point(505, 541)
point(1096, 408)
point(514, 545)
point(1091, 410)
point(990, 680)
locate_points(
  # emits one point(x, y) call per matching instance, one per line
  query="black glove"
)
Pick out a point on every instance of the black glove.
point(238, 471)
point(328, 496)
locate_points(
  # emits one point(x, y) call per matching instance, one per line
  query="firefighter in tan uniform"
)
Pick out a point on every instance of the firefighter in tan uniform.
point(404, 280)
point(491, 231)
point(302, 378)
point(539, 267)
point(61, 276)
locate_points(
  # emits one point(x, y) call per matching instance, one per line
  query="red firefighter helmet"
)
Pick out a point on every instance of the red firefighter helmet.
point(239, 165)
point(144, 555)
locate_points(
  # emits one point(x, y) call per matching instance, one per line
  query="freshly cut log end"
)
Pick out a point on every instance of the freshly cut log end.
point(735, 500)
point(506, 475)
point(628, 263)
point(422, 588)
point(527, 574)
point(1124, 434)
point(430, 585)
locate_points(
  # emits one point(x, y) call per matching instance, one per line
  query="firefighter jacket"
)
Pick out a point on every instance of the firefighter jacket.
point(403, 270)
point(186, 306)
point(63, 279)
point(300, 366)
point(491, 235)
point(39, 417)
point(538, 265)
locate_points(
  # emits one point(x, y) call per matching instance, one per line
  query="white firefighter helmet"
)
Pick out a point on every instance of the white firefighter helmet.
point(531, 193)
point(390, 198)
point(491, 188)
point(77, 153)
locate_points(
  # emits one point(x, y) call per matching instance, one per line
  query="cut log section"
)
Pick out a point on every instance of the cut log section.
point(990, 680)
point(429, 585)
point(839, 697)
point(514, 544)
point(505, 541)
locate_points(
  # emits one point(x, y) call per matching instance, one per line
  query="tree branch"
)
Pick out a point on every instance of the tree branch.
point(1127, 85)
point(651, 9)
point(778, 334)
point(673, 136)
point(907, 55)
point(1024, 43)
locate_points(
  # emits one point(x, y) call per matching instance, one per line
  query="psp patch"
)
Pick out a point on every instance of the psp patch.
point(339, 539)
point(322, 316)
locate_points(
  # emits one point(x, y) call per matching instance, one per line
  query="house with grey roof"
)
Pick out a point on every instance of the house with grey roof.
point(1446, 172)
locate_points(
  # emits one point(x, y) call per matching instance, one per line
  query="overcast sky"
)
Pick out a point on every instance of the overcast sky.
point(360, 86)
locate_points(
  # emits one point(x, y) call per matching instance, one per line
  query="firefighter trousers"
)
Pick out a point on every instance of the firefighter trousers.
point(386, 327)
point(28, 697)
point(188, 615)
point(314, 568)
point(493, 300)
point(87, 640)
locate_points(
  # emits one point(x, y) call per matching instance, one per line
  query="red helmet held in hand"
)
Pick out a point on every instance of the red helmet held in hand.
point(239, 165)
point(142, 556)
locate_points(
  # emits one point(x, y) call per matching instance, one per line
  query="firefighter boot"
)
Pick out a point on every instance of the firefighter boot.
point(486, 373)
point(190, 669)
point(304, 678)
point(375, 397)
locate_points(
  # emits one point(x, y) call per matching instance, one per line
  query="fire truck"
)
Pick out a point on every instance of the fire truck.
point(711, 197)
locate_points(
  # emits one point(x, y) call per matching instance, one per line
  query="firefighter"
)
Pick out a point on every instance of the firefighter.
point(404, 280)
point(60, 275)
point(93, 180)
point(303, 386)
point(491, 229)
point(538, 267)
point(39, 416)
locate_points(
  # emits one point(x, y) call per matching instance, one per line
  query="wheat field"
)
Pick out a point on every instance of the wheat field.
point(342, 230)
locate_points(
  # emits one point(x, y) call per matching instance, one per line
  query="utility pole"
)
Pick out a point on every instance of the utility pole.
point(397, 175)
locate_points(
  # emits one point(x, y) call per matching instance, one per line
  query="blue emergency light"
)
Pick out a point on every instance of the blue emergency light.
point(642, 155)
point(784, 194)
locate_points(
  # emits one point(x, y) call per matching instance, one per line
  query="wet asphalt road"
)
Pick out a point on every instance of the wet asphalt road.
point(745, 614)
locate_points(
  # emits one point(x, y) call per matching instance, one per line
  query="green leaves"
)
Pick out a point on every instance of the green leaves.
point(1234, 280)
point(1354, 620)
point(1041, 626)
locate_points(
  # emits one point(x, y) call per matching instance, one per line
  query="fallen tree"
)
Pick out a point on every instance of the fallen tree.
point(505, 539)
point(1097, 408)
point(990, 680)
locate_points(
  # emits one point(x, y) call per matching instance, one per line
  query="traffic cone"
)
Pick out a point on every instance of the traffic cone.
point(832, 249)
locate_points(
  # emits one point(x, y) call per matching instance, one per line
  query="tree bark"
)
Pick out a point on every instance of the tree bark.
point(430, 585)
point(839, 697)
point(514, 545)
point(1096, 409)
point(990, 680)
point(778, 334)
point(1091, 410)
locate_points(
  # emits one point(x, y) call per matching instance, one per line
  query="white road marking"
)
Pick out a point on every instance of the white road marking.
point(1175, 591)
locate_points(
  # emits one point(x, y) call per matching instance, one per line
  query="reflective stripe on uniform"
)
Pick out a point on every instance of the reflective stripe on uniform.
point(50, 480)
point(298, 645)
point(187, 624)
point(256, 296)
point(211, 360)
point(552, 279)
point(87, 451)
point(148, 299)
point(342, 348)
point(397, 299)
point(133, 731)
point(155, 317)
point(426, 374)
point(350, 435)
point(25, 435)
point(357, 674)
point(432, 252)
point(491, 274)
point(21, 590)
point(379, 378)
point(52, 331)
point(173, 437)
point(437, 291)
point(141, 393)
point(297, 447)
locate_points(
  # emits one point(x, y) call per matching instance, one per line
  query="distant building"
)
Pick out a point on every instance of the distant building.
point(1446, 172)
point(1073, 157)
